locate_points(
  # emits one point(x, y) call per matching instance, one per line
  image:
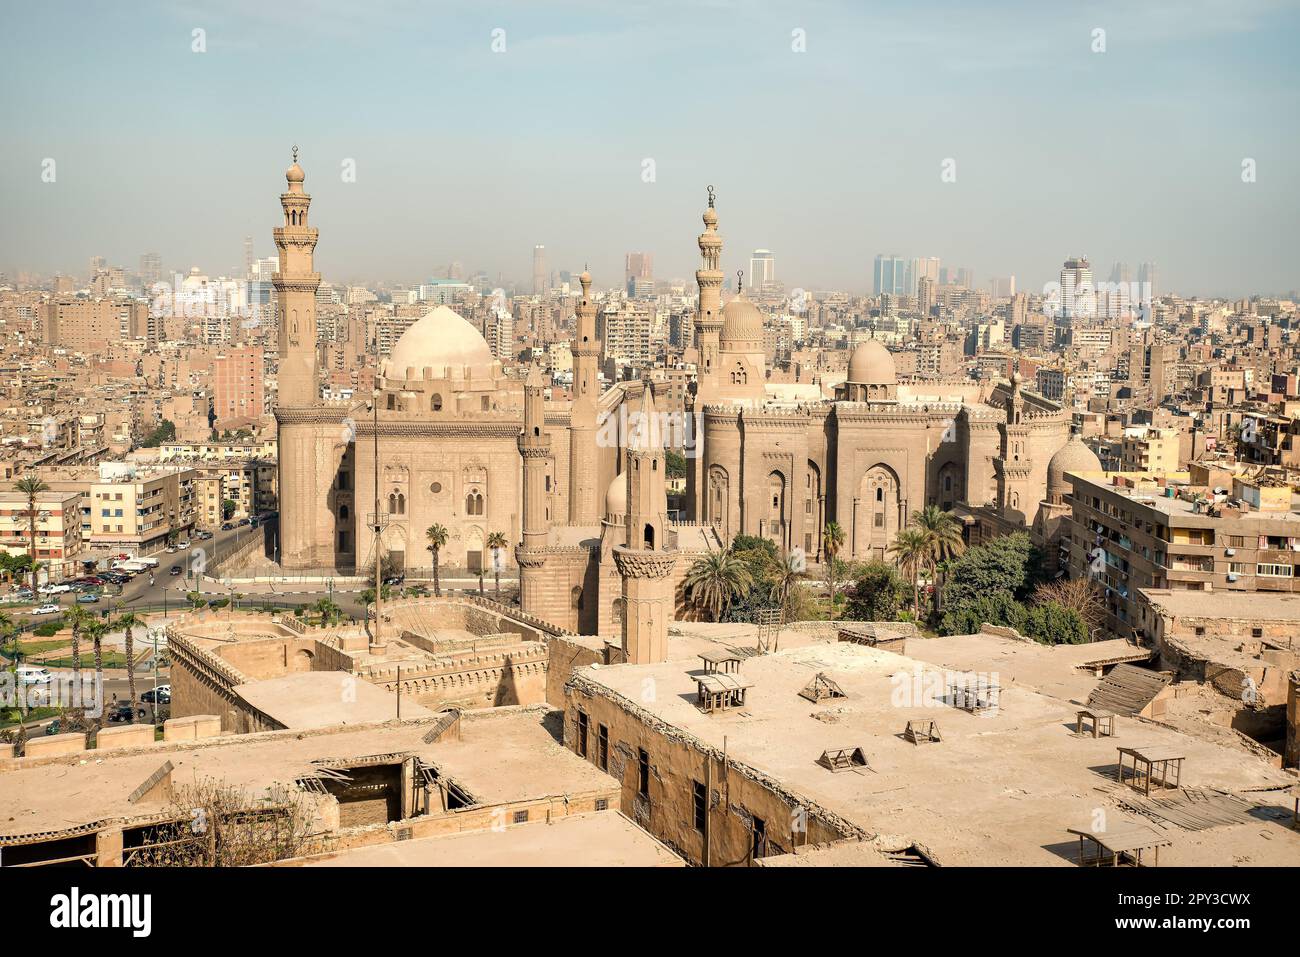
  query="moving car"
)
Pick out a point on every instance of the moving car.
point(49, 608)
point(164, 695)
point(122, 711)
point(175, 570)
point(89, 598)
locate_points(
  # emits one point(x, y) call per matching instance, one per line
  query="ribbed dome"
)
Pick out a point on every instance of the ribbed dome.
point(440, 340)
point(871, 364)
point(1073, 456)
point(742, 324)
point(616, 497)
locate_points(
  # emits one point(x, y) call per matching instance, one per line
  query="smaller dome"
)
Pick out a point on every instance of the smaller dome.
point(294, 174)
point(742, 323)
point(1073, 456)
point(871, 364)
point(616, 497)
point(710, 217)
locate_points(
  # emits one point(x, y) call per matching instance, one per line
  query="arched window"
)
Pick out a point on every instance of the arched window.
point(474, 503)
point(575, 598)
point(343, 511)
point(649, 536)
point(401, 503)
point(880, 494)
point(392, 503)
point(435, 403)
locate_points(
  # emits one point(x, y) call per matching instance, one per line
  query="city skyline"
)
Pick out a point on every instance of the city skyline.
point(1007, 103)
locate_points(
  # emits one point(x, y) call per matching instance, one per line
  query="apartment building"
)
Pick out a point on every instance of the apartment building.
point(1134, 530)
point(128, 508)
point(1145, 449)
point(58, 529)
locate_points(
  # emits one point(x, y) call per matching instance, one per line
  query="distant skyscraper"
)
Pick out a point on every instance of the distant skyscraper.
point(541, 283)
point(965, 278)
point(762, 268)
point(1077, 291)
point(150, 269)
point(918, 269)
point(248, 257)
point(639, 266)
point(1147, 279)
point(890, 276)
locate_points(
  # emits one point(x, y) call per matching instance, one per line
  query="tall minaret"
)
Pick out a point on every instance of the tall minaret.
point(708, 330)
point(535, 450)
point(708, 315)
point(295, 291)
point(645, 563)
point(586, 386)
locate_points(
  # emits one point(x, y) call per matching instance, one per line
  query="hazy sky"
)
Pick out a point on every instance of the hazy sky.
point(827, 157)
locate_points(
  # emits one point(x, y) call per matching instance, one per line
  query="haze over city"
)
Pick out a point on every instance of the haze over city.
point(824, 129)
point(645, 436)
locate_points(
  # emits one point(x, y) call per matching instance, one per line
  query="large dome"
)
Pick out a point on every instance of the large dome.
point(616, 497)
point(742, 325)
point(440, 341)
point(1073, 456)
point(871, 364)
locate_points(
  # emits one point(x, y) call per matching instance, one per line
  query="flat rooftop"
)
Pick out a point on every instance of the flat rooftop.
point(598, 839)
point(505, 754)
point(319, 699)
point(1000, 789)
point(1060, 671)
point(1254, 605)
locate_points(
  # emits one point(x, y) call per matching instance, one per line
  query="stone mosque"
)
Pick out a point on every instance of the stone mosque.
point(466, 443)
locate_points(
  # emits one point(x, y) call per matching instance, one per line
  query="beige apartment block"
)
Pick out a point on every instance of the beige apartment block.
point(58, 528)
point(129, 508)
point(1138, 530)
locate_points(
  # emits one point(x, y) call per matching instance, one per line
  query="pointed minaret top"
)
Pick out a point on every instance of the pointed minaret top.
point(534, 379)
point(294, 174)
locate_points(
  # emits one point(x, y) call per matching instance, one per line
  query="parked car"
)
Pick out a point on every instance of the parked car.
point(164, 695)
point(57, 589)
point(88, 598)
point(33, 675)
point(227, 526)
point(54, 727)
point(394, 579)
point(242, 522)
point(49, 608)
point(122, 712)
point(175, 570)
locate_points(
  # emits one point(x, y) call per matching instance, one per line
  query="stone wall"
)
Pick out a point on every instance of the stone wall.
point(738, 796)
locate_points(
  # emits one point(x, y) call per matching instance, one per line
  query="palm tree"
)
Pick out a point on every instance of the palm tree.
point(496, 543)
point(95, 629)
point(437, 536)
point(31, 486)
point(943, 535)
point(7, 634)
point(716, 580)
point(78, 618)
point(127, 621)
point(910, 548)
point(832, 542)
point(789, 571)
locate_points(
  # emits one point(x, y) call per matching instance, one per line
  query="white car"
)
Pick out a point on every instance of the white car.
point(54, 589)
point(32, 675)
point(47, 609)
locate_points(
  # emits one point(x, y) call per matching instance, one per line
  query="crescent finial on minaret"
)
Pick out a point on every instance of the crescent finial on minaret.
point(295, 152)
point(740, 281)
point(710, 197)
